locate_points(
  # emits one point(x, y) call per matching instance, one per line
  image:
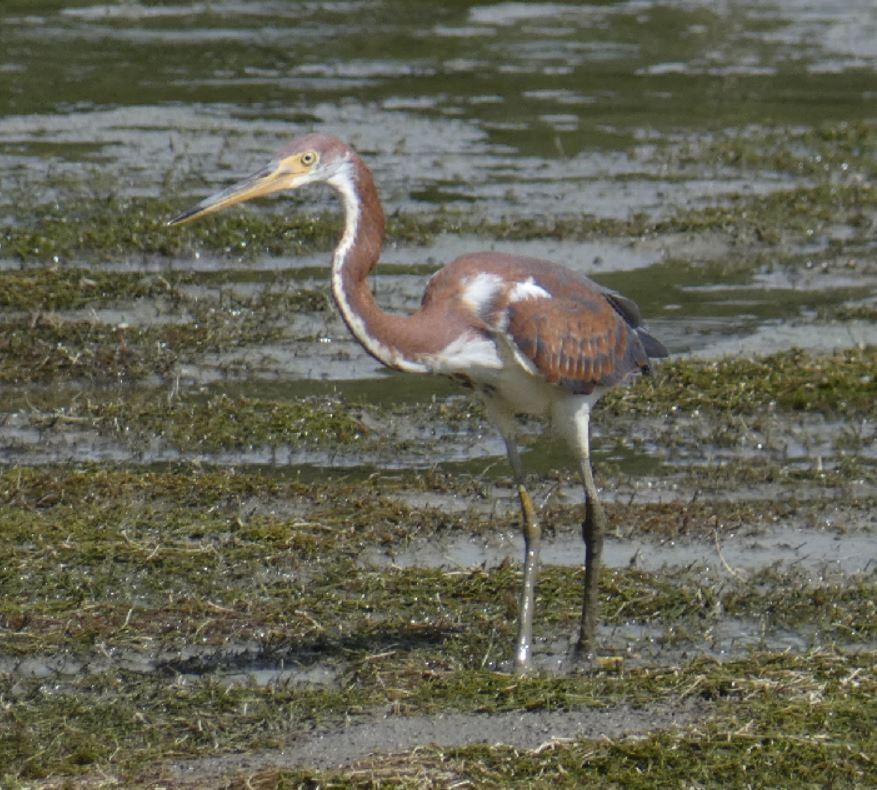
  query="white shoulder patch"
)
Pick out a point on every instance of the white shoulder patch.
point(480, 290)
point(527, 290)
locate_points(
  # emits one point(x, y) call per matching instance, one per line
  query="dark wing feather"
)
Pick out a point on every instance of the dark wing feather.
point(629, 311)
point(626, 308)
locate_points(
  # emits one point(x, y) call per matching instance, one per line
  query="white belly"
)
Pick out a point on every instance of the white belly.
point(510, 385)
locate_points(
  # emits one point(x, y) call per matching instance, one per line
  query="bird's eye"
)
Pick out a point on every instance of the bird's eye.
point(308, 158)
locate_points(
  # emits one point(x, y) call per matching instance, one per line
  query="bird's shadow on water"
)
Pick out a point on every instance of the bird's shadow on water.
point(305, 660)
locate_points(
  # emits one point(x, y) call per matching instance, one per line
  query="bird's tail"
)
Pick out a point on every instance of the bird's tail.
point(654, 349)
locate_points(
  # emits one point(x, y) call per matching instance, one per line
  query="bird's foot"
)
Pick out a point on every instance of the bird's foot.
point(511, 666)
point(523, 663)
point(524, 670)
point(580, 659)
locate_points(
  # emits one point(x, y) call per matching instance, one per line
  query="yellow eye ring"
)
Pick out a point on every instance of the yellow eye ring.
point(308, 158)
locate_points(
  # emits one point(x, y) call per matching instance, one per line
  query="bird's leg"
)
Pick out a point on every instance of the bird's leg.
point(593, 529)
point(532, 541)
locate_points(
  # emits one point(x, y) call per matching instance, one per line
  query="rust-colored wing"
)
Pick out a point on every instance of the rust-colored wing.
point(565, 327)
point(579, 343)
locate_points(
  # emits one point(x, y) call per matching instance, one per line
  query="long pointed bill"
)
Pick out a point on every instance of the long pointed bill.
point(272, 178)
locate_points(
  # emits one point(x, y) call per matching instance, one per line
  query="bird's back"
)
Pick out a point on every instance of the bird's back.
point(556, 324)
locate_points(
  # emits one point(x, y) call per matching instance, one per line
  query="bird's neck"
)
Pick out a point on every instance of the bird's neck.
point(385, 336)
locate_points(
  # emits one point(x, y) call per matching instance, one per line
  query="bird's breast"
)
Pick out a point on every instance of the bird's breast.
point(497, 375)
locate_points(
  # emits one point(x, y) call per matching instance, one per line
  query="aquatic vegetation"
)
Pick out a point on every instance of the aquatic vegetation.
point(827, 151)
point(180, 624)
point(842, 382)
point(107, 229)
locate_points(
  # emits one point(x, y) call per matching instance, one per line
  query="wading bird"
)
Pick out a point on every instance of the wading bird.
point(527, 336)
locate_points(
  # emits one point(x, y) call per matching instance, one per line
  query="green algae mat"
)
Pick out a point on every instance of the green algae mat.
point(237, 553)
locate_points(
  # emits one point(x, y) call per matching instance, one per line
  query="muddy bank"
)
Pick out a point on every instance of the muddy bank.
point(234, 545)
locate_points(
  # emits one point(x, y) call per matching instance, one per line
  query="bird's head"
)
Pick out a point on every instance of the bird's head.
point(310, 159)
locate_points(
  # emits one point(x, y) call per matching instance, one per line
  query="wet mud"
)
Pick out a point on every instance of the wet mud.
point(237, 552)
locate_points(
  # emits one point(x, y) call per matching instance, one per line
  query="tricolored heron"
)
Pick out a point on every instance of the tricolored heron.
point(527, 336)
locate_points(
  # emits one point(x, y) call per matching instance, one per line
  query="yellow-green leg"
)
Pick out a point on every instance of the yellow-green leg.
point(593, 529)
point(532, 542)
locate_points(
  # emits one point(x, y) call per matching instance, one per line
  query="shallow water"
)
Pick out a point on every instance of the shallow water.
point(821, 552)
point(533, 105)
point(503, 110)
point(633, 112)
point(530, 109)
